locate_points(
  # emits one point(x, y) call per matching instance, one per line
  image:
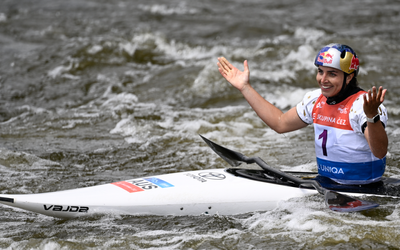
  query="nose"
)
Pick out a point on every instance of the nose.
point(324, 77)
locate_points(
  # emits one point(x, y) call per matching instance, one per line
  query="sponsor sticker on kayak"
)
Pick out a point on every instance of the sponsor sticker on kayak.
point(204, 176)
point(159, 182)
point(139, 185)
point(127, 186)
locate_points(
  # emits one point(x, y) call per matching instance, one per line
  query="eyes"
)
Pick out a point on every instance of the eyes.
point(330, 73)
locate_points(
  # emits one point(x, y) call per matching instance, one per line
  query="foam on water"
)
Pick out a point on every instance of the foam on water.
point(208, 82)
point(166, 10)
point(309, 35)
point(174, 49)
point(283, 96)
point(22, 160)
point(298, 219)
point(301, 58)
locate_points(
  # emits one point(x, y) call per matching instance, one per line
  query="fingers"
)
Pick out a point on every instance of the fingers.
point(380, 96)
point(383, 95)
point(375, 96)
point(224, 64)
point(222, 67)
point(246, 66)
point(373, 93)
point(221, 71)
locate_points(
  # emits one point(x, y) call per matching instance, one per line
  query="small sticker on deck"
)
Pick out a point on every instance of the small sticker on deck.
point(139, 185)
point(159, 182)
point(128, 186)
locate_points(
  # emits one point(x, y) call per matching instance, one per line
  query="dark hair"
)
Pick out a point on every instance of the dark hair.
point(353, 82)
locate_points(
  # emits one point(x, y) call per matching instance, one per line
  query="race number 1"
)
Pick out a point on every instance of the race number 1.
point(324, 137)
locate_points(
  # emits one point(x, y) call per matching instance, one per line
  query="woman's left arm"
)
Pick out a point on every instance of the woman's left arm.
point(375, 132)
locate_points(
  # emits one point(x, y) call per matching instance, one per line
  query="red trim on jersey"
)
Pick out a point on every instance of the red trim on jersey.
point(336, 115)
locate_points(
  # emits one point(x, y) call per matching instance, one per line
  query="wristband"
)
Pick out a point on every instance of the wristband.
point(373, 119)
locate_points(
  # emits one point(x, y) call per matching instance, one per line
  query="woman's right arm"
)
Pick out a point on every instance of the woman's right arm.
point(271, 115)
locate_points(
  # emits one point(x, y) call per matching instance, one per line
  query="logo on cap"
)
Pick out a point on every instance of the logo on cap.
point(325, 57)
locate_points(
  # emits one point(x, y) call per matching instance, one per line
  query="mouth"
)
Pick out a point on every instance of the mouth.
point(326, 87)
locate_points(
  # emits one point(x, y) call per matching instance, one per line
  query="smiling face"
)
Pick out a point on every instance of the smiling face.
point(330, 80)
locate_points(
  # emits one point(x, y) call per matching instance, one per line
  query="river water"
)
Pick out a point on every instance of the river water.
point(96, 91)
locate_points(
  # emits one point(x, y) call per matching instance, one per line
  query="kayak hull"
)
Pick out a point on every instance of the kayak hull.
point(213, 191)
point(216, 191)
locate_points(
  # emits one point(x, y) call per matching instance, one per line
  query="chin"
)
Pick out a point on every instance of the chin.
point(328, 93)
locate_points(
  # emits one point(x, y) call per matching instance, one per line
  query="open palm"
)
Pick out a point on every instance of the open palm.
point(372, 100)
point(238, 79)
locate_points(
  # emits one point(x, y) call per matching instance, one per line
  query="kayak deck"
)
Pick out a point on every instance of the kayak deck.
point(212, 191)
point(215, 191)
point(386, 186)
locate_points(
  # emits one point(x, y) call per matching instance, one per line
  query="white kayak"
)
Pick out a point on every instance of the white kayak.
point(215, 191)
point(188, 193)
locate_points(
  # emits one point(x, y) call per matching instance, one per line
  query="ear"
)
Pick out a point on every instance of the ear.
point(349, 77)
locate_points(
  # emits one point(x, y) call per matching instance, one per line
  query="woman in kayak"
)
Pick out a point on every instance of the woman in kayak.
point(349, 123)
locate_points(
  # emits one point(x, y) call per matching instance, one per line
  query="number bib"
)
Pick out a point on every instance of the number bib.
point(342, 154)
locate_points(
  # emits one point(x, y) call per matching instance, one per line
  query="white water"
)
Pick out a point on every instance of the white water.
point(94, 92)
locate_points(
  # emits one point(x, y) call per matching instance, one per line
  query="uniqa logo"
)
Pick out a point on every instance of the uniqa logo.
point(329, 169)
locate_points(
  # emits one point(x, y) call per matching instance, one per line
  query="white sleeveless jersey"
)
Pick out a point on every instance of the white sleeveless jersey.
point(343, 153)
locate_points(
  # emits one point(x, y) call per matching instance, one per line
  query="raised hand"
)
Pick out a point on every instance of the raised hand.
point(375, 133)
point(372, 100)
point(238, 79)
